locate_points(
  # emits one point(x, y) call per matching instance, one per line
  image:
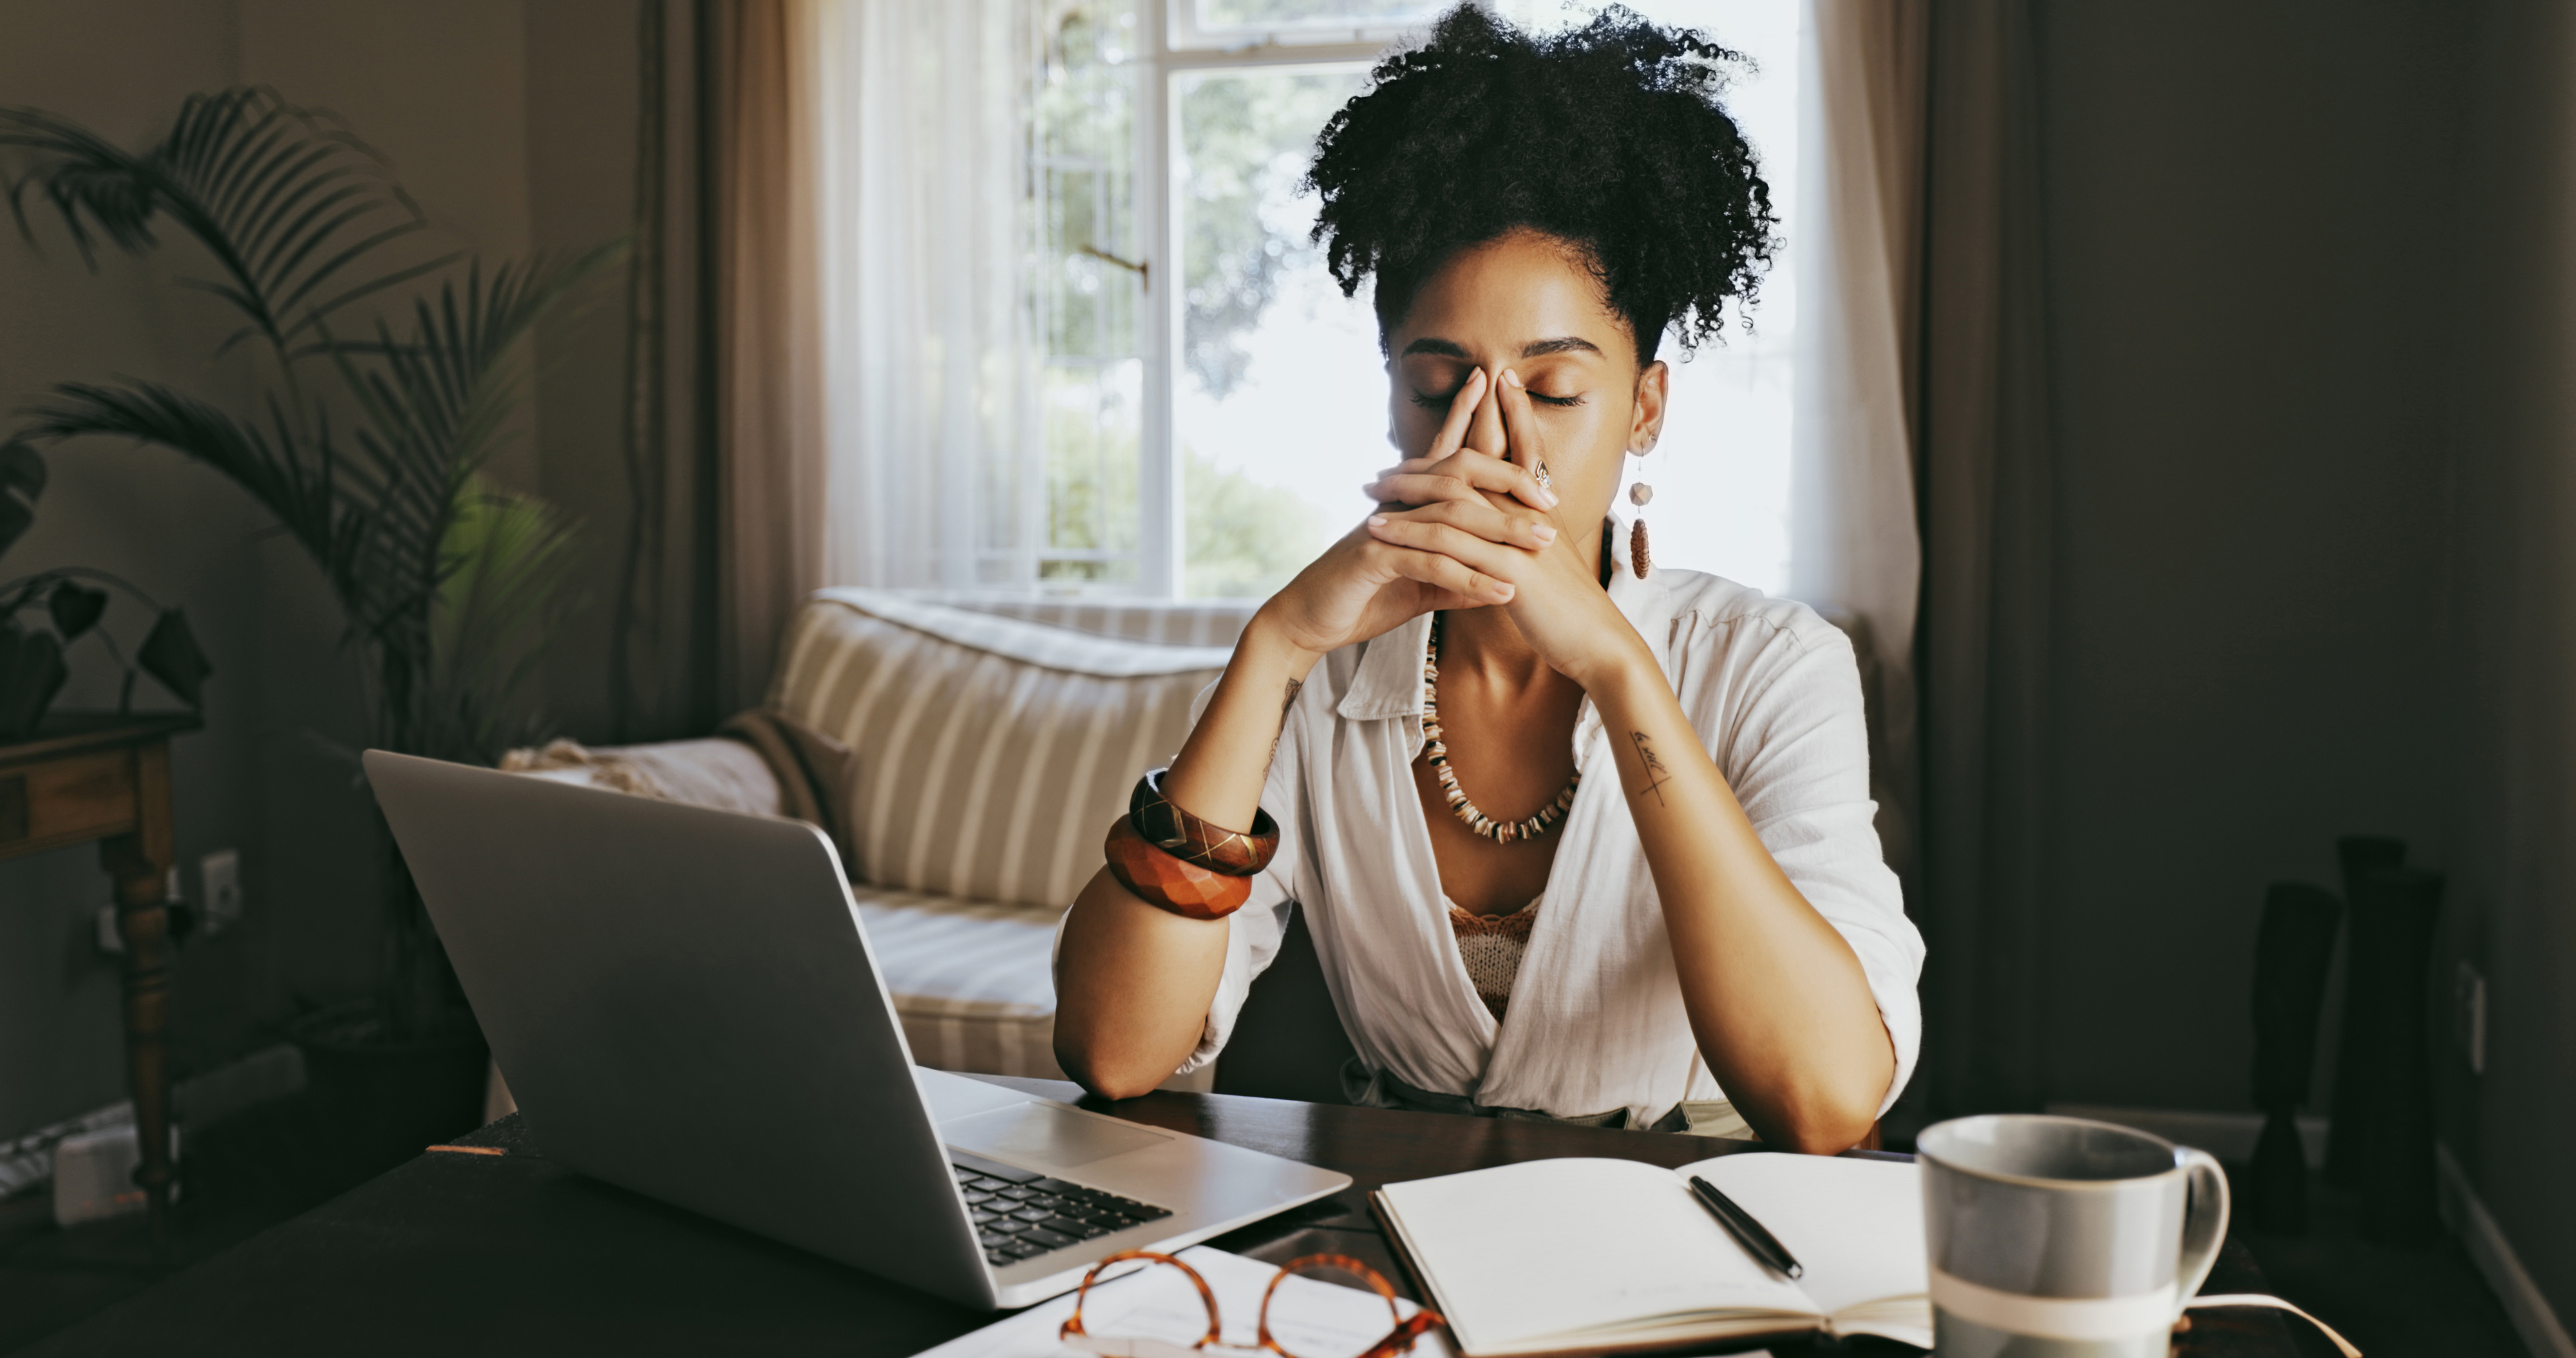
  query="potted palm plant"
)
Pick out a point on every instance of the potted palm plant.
point(387, 374)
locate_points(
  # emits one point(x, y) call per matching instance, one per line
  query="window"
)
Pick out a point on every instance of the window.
point(1209, 402)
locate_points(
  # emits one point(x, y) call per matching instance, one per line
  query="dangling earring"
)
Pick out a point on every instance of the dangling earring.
point(1640, 558)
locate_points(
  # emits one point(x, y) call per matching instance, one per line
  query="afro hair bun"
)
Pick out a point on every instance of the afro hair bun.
point(1609, 136)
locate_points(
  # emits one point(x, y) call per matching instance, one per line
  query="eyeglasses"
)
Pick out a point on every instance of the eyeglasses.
point(1399, 1338)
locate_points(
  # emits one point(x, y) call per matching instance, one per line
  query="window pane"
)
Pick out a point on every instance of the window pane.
point(1085, 301)
point(1277, 14)
point(1092, 434)
point(1280, 410)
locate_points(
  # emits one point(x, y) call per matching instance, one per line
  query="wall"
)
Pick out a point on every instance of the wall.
point(178, 531)
point(514, 125)
point(2513, 779)
point(582, 96)
point(2312, 273)
point(2250, 242)
point(507, 154)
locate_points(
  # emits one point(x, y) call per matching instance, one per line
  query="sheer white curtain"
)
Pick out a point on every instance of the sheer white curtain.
point(1854, 546)
point(931, 408)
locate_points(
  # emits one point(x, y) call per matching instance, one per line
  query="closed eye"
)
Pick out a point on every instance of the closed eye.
point(1428, 401)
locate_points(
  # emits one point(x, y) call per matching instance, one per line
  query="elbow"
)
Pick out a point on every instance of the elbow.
point(1103, 1074)
point(1829, 1136)
point(1822, 1122)
point(1125, 1088)
point(1831, 1106)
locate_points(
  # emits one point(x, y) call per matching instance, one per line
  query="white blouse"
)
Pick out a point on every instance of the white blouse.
point(1595, 1021)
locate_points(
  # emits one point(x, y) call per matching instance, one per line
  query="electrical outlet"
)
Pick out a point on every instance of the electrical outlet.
point(111, 939)
point(219, 889)
point(2469, 1016)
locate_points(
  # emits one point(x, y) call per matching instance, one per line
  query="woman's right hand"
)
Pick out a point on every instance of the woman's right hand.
point(1361, 587)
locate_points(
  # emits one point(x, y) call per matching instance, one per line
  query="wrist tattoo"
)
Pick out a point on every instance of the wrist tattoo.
point(1656, 774)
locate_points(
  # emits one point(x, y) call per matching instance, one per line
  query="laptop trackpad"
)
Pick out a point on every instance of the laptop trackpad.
point(1037, 1134)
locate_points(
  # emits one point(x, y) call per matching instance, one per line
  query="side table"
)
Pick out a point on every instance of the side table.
point(106, 777)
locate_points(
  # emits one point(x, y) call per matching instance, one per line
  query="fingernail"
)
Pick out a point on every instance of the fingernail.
point(1552, 496)
point(1543, 532)
point(1510, 378)
point(1377, 521)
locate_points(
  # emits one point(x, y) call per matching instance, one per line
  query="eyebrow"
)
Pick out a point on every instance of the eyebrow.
point(1563, 344)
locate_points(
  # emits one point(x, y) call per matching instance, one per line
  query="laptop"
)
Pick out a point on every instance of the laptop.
point(684, 1003)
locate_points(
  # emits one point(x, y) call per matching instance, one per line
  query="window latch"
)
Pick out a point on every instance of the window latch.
point(1144, 271)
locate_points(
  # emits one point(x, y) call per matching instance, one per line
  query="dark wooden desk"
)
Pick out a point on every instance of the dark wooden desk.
point(515, 1254)
point(105, 777)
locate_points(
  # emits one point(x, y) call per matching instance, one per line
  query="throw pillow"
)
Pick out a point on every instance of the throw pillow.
point(992, 754)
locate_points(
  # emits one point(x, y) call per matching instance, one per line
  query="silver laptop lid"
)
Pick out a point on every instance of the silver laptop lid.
point(683, 1002)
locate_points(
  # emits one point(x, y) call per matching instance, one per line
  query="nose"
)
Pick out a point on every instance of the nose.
point(1485, 427)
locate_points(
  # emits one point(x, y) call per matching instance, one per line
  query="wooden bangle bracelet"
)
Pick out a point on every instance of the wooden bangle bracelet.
point(1235, 853)
point(1159, 879)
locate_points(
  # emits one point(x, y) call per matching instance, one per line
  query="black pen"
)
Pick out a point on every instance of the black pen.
point(1759, 1243)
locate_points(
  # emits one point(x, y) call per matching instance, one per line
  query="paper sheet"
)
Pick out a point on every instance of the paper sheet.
point(1857, 1225)
point(1309, 1316)
point(1575, 1250)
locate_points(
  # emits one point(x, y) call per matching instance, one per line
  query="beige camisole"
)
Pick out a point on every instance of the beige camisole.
point(1491, 946)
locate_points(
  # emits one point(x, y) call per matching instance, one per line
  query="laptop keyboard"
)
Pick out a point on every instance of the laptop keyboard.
point(1021, 1214)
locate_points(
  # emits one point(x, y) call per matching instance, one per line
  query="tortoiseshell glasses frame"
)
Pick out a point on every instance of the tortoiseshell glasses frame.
point(1399, 1338)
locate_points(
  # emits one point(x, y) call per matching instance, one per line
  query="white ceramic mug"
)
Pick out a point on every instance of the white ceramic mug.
point(2057, 1237)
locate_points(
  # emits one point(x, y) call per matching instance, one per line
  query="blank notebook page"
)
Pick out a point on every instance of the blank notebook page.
point(1856, 1225)
point(1558, 1247)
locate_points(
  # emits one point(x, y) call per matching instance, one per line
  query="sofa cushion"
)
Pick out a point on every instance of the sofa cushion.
point(969, 979)
point(971, 983)
point(992, 753)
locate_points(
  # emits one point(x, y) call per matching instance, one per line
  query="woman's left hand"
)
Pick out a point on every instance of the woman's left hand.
point(1558, 602)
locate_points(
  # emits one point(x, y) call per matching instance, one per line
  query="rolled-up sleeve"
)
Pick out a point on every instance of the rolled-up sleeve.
point(1798, 761)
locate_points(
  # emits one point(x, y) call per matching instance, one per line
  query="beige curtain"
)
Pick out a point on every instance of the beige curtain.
point(658, 662)
point(766, 333)
point(1854, 549)
point(1987, 512)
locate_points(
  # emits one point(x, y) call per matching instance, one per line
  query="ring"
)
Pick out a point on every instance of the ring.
point(1538, 473)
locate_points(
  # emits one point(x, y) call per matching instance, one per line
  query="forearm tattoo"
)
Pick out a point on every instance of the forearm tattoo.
point(1284, 704)
point(1656, 774)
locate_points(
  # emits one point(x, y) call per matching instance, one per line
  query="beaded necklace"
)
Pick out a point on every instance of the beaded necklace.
point(1501, 832)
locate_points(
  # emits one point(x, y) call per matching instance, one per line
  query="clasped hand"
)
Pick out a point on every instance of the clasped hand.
point(1463, 528)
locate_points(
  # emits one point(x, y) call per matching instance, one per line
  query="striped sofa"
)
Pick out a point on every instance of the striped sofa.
point(992, 743)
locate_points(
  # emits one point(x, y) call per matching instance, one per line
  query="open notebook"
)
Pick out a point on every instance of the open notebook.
point(1563, 1256)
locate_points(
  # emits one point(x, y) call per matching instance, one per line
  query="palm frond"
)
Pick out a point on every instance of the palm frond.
point(282, 197)
point(438, 398)
point(264, 463)
point(333, 515)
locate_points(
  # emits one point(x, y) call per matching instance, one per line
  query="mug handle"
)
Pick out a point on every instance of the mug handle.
point(2204, 1227)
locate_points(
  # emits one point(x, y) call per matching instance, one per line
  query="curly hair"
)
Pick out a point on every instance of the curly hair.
point(1609, 136)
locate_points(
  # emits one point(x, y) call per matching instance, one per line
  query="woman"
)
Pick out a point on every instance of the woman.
point(1576, 837)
